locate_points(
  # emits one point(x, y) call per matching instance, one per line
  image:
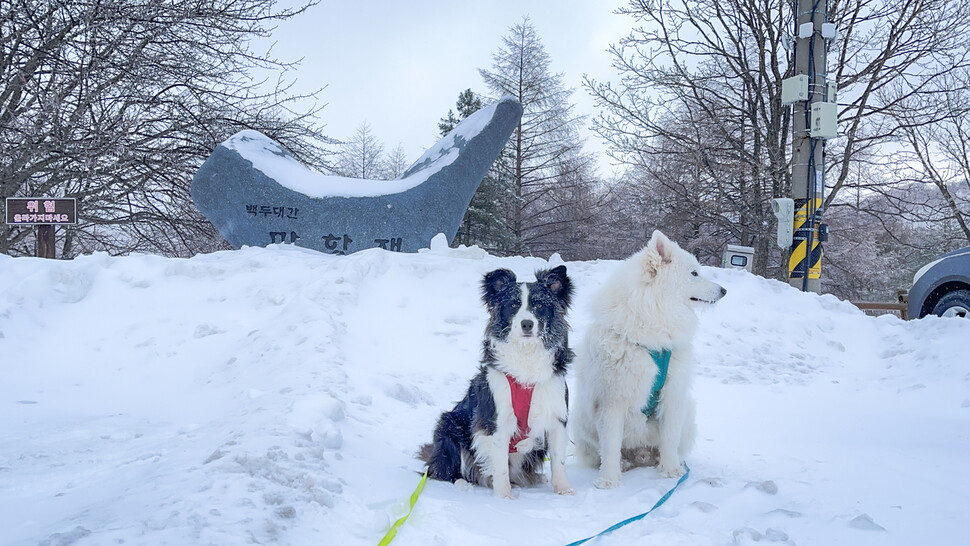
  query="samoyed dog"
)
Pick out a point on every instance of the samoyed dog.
point(633, 367)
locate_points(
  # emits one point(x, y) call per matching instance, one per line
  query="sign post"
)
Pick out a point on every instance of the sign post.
point(43, 212)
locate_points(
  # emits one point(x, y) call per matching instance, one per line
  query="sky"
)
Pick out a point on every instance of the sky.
point(399, 66)
point(278, 396)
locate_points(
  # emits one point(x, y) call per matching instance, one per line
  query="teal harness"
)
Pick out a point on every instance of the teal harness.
point(662, 359)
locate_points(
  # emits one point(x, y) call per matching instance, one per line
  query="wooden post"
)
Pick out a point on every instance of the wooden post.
point(45, 241)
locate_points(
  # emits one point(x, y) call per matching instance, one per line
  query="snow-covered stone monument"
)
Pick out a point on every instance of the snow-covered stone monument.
point(255, 193)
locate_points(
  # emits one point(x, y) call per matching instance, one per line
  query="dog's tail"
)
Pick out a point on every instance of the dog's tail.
point(444, 460)
point(424, 453)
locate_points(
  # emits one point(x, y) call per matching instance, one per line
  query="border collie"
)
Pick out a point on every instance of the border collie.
point(495, 437)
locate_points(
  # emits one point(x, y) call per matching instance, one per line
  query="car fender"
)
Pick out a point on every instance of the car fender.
point(949, 269)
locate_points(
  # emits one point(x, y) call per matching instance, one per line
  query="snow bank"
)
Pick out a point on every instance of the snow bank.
point(277, 395)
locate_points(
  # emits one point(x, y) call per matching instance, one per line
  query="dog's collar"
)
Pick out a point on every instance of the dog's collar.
point(521, 403)
point(662, 360)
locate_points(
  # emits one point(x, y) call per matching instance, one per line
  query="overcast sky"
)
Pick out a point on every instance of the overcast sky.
point(399, 66)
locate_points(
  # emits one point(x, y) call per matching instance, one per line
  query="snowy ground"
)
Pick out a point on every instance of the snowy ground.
point(278, 395)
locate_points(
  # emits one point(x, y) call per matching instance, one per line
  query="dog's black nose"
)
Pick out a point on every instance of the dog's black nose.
point(723, 291)
point(527, 325)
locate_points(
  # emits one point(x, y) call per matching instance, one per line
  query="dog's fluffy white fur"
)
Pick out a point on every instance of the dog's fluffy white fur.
point(647, 304)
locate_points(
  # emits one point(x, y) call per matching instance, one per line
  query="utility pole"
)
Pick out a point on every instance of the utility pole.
point(814, 117)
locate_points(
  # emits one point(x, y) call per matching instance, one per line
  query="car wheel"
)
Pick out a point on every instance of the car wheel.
point(953, 304)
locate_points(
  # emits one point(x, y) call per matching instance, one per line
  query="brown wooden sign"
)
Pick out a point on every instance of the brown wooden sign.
point(27, 211)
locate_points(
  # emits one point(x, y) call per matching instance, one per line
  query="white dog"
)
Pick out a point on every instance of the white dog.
point(642, 316)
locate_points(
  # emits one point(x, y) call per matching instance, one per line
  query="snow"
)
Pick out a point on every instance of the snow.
point(274, 161)
point(277, 395)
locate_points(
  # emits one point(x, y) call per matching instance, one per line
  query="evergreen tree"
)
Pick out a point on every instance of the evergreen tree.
point(484, 222)
point(468, 103)
point(546, 167)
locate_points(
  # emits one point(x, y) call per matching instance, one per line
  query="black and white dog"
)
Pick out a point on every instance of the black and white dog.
point(495, 436)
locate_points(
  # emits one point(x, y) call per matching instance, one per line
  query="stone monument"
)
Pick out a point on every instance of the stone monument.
point(255, 193)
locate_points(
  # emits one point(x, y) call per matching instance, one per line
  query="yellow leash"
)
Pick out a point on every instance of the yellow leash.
point(392, 532)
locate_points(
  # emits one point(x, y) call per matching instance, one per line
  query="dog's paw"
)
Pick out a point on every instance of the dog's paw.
point(525, 445)
point(606, 483)
point(463, 485)
point(564, 489)
point(670, 471)
point(502, 492)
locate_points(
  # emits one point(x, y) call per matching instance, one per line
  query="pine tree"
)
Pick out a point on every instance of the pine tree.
point(546, 165)
point(468, 103)
point(484, 222)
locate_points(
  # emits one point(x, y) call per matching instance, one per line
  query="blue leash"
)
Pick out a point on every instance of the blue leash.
point(628, 521)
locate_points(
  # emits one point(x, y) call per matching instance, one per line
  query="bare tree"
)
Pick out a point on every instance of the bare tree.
point(117, 103)
point(701, 80)
point(937, 156)
point(572, 219)
point(396, 162)
point(362, 156)
point(910, 201)
point(544, 153)
point(697, 112)
point(892, 57)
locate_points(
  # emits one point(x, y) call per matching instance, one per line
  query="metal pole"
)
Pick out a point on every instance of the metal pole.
point(804, 267)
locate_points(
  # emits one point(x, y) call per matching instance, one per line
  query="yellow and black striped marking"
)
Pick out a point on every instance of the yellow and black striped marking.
point(801, 229)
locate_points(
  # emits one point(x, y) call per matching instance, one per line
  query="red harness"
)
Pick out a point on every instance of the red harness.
point(521, 402)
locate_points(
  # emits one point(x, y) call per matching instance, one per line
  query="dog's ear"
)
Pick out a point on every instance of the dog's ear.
point(649, 258)
point(495, 284)
point(662, 246)
point(558, 283)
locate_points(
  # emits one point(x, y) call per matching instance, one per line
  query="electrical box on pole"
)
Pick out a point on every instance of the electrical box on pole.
point(825, 117)
point(784, 209)
point(794, 89)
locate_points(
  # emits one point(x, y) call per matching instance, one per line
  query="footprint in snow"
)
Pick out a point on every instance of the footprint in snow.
point(768, 486)
point(748, 535)
point(786, 513)
point(705, 507)
point(410, 395)
point(205, 330)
